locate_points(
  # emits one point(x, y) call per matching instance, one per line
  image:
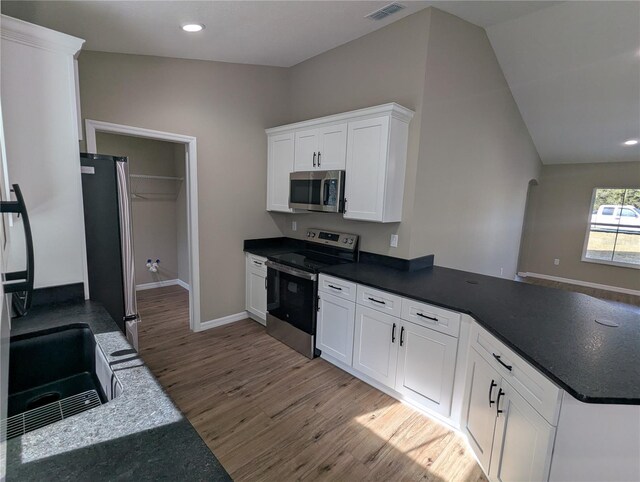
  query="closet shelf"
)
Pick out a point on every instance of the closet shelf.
point(154, 188)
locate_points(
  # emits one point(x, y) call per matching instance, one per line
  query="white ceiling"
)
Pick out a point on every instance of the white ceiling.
point(280, 33)
point(573, 67)
point(574, 70)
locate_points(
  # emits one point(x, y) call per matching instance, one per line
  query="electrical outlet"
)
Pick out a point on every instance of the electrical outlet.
point(294, 226)
point(501, 271)
point(556, 261)
point(394, 241)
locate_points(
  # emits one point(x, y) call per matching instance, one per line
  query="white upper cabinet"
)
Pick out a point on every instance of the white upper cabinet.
point(376, 164)
point(332, 147)
point(369, 144)
point(364, 188)
point(306, 150)
point(280, 164)
point(321, 149)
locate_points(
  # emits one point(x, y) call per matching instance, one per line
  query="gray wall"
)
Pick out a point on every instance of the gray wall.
point(387, 65)
point(470, 155)
point(476, 156)
point(227, 107)
point(159, 223)
point(557, 222)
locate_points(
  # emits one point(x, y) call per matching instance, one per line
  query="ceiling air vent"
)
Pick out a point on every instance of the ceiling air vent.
point(384, 12)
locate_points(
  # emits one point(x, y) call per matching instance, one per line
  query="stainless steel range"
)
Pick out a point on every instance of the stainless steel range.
point(292, 286)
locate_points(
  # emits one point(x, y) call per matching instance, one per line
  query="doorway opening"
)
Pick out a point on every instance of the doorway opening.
point(162, 174)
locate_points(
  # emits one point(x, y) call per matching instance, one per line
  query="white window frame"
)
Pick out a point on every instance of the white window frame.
point(586, 236)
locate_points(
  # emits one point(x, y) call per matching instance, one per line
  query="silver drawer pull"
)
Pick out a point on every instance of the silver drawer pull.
point(335, 287)
point(377, 301)
point(432, 318)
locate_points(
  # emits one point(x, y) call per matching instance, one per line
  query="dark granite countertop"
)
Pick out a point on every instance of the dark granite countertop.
point(552, 329)
point(266, 247)
point(140, 435)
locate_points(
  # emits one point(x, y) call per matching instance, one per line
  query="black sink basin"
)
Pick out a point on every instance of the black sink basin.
point(51, 365)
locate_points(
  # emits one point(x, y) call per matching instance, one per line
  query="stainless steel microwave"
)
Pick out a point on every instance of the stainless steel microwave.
point(317, 191)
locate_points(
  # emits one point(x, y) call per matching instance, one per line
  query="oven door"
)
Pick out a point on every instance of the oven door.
point(317, 191)
point(291, 296)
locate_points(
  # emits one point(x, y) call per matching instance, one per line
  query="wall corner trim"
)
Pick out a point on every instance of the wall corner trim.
point(225, 320)
point(588, 284)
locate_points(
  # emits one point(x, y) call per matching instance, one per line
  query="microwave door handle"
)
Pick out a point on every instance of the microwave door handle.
point(325, 192)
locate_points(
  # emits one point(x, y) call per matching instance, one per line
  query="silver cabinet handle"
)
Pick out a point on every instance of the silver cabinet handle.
point(314, 159)
point(318, 158)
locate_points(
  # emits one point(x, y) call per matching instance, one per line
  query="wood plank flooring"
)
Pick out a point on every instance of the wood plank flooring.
point(268, 413)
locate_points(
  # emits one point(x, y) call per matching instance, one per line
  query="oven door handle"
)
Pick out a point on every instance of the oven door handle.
point(292, 271)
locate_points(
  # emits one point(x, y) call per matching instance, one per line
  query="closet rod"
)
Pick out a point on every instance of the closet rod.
point(166, 178)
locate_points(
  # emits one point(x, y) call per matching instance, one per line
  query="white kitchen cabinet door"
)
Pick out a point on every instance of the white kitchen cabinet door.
point(332, 147)
point(375, 351)
point(523, 440)
point(367, 144)
point(306, 152)
point(426, 367)
point(280, 165)
point(479, 414)
point(256, 289)
point(336, 320)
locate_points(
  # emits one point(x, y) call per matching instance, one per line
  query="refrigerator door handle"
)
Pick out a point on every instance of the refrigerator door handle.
point(128, 263)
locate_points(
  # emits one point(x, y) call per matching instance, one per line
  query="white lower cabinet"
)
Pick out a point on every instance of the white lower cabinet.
point(479, 417)
point(512, 441)
point(426, 366)
point(256, 288)
point(523, 440)
point(336, 320)
point(375, 351)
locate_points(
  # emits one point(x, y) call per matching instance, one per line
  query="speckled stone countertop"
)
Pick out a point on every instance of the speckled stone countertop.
point(139, 435)
point(554, 330)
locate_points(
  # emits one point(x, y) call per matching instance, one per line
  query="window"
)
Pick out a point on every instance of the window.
point(613, 234)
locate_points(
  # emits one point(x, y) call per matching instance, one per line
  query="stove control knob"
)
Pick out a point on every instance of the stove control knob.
point(351, 241)
point(344, 240)
point(308, 234)
point(313, 235)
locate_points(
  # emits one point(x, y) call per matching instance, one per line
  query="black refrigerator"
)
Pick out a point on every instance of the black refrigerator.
point(109, 237)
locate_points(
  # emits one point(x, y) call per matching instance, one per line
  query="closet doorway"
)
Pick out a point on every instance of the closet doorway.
point(162, 172)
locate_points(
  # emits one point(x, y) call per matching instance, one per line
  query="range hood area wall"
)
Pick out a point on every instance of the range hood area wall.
point(470, 156)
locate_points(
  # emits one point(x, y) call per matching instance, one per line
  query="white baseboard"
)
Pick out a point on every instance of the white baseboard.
point(225, 320)
point(185, 285)
point(580, 283)
point(161, 284)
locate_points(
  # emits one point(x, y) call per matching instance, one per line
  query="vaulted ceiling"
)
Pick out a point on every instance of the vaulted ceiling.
point(573, 67)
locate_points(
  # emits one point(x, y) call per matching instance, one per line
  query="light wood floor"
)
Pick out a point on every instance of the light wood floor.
point(268, 413)
point(625, 298)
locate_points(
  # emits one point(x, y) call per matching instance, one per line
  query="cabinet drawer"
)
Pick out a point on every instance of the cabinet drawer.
point(438, 319)
point(541, 393)
point(337, 287)
point(257, 262)
point(379, 300)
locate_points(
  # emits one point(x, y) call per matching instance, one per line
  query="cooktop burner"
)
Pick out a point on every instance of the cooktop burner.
point(322, 248)
point(308, 260)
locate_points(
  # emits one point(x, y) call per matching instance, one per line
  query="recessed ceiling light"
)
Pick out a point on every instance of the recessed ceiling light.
point(193, 27)
point(631, 142)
